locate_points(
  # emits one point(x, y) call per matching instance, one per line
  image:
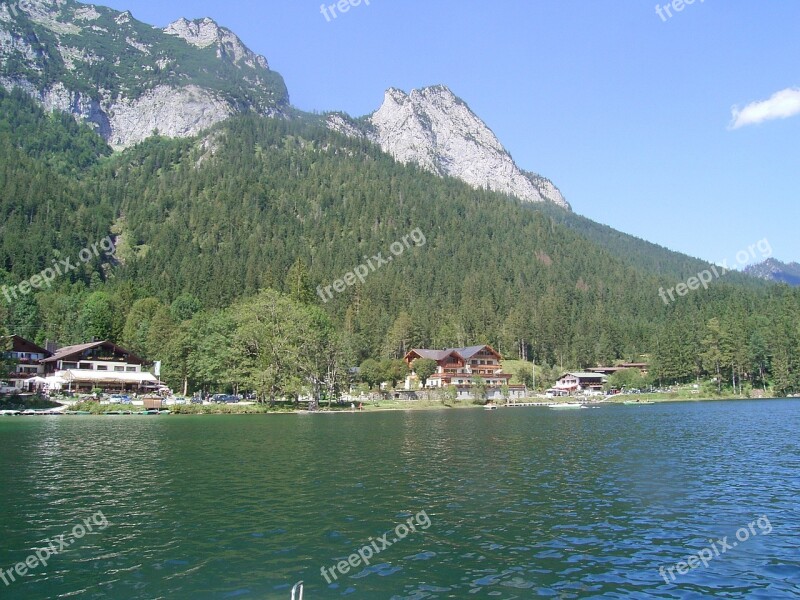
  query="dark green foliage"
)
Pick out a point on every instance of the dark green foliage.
point(424, 368)
point(57, 139)
point(627, 379)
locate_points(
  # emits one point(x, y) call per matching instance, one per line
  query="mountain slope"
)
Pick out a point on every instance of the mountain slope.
point(222, 225)
point(436, 130)
point(128, 78)
point(289, 204)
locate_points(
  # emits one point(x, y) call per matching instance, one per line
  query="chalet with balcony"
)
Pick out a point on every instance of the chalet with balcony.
point(98, 365)
point(461, 367)
point(571, 383)
point(24, 362)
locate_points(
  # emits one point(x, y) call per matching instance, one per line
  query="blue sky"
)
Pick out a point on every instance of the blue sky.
point(629, 113)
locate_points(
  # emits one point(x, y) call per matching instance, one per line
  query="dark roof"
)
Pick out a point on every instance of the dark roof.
point(69, 351)
point(437, 355)
point(23, 345)
point(471, 351)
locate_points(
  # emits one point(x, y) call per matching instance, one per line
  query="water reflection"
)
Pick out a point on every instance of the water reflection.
point(522, 502)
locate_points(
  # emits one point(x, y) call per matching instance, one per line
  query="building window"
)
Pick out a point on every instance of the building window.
point(119, 369)
point(131, 369)
point(102, 367)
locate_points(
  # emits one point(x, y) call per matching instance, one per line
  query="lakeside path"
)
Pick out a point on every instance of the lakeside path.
point(403, 406)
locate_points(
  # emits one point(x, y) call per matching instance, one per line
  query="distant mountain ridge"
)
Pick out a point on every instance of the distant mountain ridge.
point(775, 270)
point(433, 128)
point(129, 80)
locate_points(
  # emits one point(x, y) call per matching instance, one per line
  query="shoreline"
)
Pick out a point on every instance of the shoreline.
point(381, 406)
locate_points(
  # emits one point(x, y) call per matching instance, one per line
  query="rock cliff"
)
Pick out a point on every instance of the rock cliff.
point(436, 130)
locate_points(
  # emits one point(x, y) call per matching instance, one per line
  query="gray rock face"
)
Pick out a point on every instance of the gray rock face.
point(434, 129)
point(205, 32)
point(156, 87)
point(774, 270)
point(174, 112)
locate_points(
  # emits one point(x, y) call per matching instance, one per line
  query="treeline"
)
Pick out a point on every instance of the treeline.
point(266, 206)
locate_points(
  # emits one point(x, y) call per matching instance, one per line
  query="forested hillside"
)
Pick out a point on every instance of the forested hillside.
point(202, 225)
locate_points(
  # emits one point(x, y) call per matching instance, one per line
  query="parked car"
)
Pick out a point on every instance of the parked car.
point(7, 389)
point(120, 399)
point(225, 399)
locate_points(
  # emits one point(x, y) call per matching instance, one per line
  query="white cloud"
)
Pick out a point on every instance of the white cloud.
point(781, 105)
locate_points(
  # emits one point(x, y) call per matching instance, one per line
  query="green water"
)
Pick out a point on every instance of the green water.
point(522, 503)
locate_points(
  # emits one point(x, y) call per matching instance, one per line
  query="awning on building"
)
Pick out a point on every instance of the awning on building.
point(107, 377)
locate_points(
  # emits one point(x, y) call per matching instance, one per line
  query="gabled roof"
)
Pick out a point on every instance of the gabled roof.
point(436, 355)
point(20, 344)
point(471, 351)
point(439, 355)
point(69, 351)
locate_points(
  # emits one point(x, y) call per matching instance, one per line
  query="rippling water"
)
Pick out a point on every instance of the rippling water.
point(522, 503)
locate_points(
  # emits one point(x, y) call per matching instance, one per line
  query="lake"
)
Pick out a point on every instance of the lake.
point(512, 503)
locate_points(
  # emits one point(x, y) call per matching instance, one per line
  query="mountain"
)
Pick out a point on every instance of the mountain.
point(202, 223)
point(437, 131)
point(128, 78)
point(775, 270)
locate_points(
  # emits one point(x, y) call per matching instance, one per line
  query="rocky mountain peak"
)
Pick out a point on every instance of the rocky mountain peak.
point(203, 33)
point(435, 129)
point(124, 17)
point(774, 270)
point(51, 48)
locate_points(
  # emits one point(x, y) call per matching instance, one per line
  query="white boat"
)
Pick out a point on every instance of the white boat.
point(565, 406)
point(490, 407)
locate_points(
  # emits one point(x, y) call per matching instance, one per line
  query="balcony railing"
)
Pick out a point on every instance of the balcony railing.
point(20, 375)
